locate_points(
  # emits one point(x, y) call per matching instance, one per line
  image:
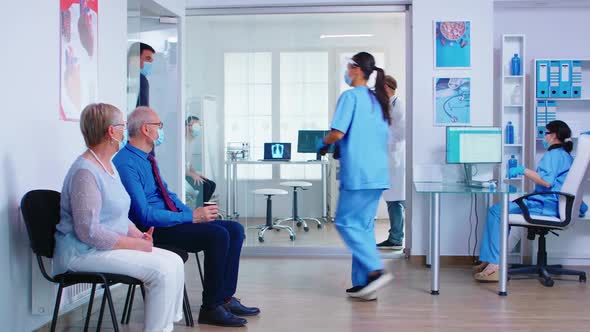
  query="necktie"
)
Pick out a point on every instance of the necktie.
point(169, 203)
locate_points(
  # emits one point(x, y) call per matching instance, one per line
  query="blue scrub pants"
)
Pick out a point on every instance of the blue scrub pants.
point(489, 251)
point(355, 220)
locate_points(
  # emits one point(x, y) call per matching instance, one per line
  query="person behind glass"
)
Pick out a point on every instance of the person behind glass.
point(177, 225)
point(193, 130)
point(95, 234)
point(395, 196)
point(360, 129)
point(146, 60)
point(549, 176)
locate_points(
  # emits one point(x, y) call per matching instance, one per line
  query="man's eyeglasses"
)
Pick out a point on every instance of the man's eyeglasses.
point(159, 124)
point(124, 125)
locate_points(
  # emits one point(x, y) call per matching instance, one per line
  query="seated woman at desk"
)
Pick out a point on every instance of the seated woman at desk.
point(550, 175)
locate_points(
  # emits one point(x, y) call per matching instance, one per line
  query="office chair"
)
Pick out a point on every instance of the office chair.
point(41, 214)
point(570, 198)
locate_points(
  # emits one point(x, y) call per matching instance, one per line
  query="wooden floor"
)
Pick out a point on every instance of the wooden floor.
point(308, 295)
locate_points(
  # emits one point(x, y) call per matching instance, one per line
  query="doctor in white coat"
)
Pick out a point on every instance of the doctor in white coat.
point(396, 195)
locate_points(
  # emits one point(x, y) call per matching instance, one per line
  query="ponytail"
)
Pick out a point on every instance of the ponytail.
point(563, 133)
point(382, 95)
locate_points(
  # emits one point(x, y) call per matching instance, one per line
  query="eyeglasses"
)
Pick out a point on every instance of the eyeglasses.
point(159, 124)
point(548, 133)
point(124, 125)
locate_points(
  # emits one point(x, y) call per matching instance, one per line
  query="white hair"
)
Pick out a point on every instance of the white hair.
point(137, 118)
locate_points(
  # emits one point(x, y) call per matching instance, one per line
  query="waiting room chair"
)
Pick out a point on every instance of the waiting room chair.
point(41, 214)
point(186, 306)
point(570, 199)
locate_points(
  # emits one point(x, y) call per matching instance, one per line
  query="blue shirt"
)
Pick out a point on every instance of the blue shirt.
point(363, 149)
point(553, 168)
point(147, 204)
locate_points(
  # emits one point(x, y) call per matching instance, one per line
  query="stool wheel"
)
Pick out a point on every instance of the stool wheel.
point(306, 229)
point(292, 237)
point(319, 226)
point(299, 224)
point(260, 239)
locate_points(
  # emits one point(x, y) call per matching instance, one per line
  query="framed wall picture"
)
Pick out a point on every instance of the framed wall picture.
point(452, 101)
point(452, 41)
point(78, 56)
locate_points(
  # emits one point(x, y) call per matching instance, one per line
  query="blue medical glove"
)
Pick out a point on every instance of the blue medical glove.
point(583, 209)
point(516, 171)
point(320, 145)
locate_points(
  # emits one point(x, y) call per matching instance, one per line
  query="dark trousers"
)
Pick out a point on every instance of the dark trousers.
point(208, 187)
point(221, 242)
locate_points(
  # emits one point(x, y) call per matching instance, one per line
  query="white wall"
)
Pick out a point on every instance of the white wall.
point(428, 141)
point(38, 148)
point(551, 33)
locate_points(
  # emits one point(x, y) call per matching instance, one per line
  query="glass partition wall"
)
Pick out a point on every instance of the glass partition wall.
point(257, 79)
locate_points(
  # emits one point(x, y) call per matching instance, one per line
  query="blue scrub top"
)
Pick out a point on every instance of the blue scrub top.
point(363, 149)
point(553, 168)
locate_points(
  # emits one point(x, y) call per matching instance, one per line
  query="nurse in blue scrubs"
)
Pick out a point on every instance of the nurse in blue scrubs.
point(360, 131)
point(550, 175)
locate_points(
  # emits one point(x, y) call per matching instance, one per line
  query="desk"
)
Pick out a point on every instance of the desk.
point(231, 175)
point(435, 189)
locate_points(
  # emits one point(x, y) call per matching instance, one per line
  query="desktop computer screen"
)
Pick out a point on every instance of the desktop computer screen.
point(474, 145)
point(307, 140)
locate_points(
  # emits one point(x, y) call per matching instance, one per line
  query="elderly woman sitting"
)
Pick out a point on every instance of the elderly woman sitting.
point(95, 234)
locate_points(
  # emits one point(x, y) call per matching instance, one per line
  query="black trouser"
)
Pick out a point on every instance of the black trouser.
point(221, 240)
point(208, 187)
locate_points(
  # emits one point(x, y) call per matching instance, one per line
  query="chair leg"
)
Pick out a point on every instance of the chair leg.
point(56, 308)
point(523, 270)
point(102, 304)
point(89, 311)
point(127, 314)
point(142, 287)
point(126, 306)
point(187, 308)
point(561, 271)
point(111, 308)
point(200, 270)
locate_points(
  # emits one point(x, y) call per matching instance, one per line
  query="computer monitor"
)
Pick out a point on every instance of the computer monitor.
point(474, 145)
point(277, 151)
point(307, 141)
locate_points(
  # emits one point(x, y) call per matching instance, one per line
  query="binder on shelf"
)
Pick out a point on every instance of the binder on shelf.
point(541, 118)
point(554, 78)
point(565, 78)
point(542, 79)
point(576, 79)
point(551, 113)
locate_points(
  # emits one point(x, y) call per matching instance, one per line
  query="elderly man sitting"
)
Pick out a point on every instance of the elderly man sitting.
point(152, 204)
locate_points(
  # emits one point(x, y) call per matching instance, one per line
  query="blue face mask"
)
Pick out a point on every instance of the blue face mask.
point(123, 141)
point(347, 79)
point(546, 144)
point(160, 138)
point(196, 130)
point(147, 68)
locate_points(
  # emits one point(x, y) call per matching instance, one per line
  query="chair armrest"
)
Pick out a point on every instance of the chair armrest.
point(527, 216)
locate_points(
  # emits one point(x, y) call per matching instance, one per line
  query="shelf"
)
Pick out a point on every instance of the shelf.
point(513, 76)
point(513, 145)
point(564, 99)
point(515, 106)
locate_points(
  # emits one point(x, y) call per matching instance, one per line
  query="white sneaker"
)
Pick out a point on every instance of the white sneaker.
point(373, 286)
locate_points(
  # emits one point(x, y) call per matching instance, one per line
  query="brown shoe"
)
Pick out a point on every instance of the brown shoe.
point(479, 268)
point(489, 274)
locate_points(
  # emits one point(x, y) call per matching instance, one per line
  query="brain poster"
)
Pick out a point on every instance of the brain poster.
point(78, 56)
point(453, 44)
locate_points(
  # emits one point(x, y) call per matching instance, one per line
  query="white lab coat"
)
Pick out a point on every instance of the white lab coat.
point(397, 152)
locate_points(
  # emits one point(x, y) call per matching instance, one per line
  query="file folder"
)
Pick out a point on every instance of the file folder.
point(541, 118)
point(542, 79)
point(554, 78)
point(565, 79)
point(576, 79)
point(551, 114)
